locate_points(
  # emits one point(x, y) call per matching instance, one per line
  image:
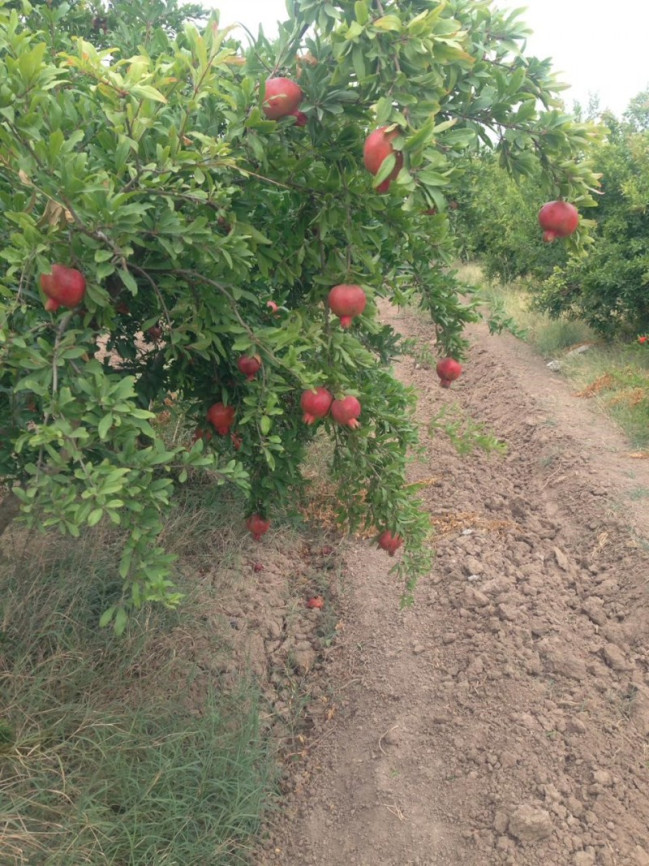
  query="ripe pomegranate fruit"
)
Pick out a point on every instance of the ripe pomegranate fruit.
point(346, 411)
point(315, 404)
point(390, 542)
point(448, 371)
point(300, 118)
point(378, 146)
point(346, 301)
point(155, 332)
point(257, 526)
point(249, 365)
point(281, 97)
point(221, 418)
point(558, 219)
point(317, 602)
point(64, 287)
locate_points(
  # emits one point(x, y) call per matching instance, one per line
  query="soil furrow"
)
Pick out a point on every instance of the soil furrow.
point(504, 718)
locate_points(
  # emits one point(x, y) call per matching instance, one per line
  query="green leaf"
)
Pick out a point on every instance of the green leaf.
point(106, 617)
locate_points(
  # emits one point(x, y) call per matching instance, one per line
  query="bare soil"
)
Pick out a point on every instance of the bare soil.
point(504, 719)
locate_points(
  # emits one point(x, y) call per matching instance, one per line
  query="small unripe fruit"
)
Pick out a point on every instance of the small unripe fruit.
point(281, 97)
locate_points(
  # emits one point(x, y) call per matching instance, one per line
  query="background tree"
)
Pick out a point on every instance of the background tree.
point(135, 149)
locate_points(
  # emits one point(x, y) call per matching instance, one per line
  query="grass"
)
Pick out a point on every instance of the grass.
point(615, 375)
point(122, 751)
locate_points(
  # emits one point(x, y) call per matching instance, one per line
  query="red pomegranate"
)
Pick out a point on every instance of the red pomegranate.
point(257, 526)
point(65, 287)
point(388, 541)
point(346, 411)
point(249, 365)
point(221, 418)
point(315, 404)
point(448, 371)
point(281, 97)
point(315, 603)
point(300, 118)
point(378, 146)
point(346, 301)
point(558, 219)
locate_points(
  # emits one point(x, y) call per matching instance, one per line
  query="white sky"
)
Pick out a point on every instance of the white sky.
point(598, 47)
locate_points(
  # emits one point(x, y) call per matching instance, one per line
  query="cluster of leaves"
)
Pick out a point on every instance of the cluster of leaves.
point(134, 147)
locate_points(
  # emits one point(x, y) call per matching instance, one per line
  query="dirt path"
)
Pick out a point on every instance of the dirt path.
point(505, 718)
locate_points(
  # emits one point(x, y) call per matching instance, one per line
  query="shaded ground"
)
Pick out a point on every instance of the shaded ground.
point(505, 718)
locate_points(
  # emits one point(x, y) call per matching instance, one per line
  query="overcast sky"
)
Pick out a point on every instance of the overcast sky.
point(600, 48)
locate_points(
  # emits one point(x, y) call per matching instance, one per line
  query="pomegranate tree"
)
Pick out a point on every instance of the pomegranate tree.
point(347, 301)
point(193, 209)
point(346, 411)
point(558, 219)
point(315, 404)
point(448, 370)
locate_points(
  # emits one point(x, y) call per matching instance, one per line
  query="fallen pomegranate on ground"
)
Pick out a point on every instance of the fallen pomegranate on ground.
point(388, 541)
point(257, 526)
point(315, 603)
point(346, 411)
point(221, 418)
point(315, 404)
point(448, 370)
point(378, 146)
point(64, 287)
point(346, 301)
point(281, 97)
point(558, 219)
point(249, 365)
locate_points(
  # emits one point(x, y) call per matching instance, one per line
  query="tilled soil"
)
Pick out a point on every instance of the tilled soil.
point(504, 719)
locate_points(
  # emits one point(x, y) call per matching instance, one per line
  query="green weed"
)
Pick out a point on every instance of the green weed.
point(465, 434)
